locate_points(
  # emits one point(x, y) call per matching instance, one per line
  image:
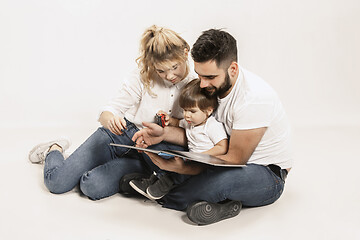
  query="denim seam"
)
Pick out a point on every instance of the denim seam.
point(276, 195)
point(279, 183)
point(105, 132)
point(130, 127)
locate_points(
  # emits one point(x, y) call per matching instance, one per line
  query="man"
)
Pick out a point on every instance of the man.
point(259, 137)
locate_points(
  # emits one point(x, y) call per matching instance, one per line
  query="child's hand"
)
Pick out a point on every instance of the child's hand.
point(166, 118)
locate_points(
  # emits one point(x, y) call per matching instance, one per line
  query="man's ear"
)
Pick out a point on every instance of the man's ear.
point(233, 69)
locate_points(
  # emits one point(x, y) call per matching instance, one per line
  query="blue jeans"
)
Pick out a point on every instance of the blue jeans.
point(97, 166)
point(253, 185)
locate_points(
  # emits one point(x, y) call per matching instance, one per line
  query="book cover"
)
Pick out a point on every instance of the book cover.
point(192, 156)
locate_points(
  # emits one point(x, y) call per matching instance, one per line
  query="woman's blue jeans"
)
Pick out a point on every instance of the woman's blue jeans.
point(98, 168)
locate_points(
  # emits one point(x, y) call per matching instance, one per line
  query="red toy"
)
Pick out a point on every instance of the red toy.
point(160, 119)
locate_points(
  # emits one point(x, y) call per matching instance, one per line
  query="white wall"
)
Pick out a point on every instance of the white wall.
point(60, 60)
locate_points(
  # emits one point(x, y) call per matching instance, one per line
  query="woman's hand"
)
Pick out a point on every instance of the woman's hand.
point(114, 123)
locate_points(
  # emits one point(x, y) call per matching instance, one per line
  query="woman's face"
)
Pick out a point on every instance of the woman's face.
point(172, 71)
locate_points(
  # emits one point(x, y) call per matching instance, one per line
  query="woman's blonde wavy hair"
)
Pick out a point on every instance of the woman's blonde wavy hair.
point(158, 46)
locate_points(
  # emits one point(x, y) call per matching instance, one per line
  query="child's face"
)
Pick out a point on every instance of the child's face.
point(195, 116)
point(172, 71)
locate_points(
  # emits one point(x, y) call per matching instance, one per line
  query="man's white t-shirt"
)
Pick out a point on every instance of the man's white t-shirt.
point(204, 137)
point(252, 104)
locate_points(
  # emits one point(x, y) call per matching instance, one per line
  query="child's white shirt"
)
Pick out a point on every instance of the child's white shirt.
point(204, 137)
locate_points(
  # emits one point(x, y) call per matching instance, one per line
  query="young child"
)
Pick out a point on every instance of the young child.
point(204, 134)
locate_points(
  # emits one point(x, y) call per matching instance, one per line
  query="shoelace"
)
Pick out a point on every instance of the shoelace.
point(41, 156)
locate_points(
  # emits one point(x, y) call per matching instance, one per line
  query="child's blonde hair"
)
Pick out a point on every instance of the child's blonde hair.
point(159, 45)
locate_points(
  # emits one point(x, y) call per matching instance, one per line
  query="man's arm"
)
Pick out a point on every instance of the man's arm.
point(242, 145)
point(175, 135)
point(154, 134)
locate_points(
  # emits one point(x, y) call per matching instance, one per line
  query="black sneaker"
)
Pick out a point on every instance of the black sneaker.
point(160, 188)
point(140, 185)
point(125, 188)
point(203, 213)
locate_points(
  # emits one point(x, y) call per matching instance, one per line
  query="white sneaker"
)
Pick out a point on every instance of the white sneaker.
point(39, 152)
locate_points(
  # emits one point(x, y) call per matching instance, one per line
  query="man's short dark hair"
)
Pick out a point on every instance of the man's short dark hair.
point(216, 45)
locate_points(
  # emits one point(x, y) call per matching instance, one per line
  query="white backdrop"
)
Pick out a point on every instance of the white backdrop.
point(60, 60)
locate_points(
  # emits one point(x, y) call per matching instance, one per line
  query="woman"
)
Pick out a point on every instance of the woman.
point(97, 166)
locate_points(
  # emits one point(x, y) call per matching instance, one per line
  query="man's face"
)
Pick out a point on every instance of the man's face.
point(214, 80)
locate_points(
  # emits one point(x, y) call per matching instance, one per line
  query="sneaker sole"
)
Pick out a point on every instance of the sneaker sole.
point(139, 190)
point(204, 213)
point(152, 197)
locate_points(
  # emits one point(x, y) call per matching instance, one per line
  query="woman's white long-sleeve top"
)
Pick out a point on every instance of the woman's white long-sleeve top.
point(137, 105)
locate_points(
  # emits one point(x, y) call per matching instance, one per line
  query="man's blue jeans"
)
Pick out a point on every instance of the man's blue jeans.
point(253, 185)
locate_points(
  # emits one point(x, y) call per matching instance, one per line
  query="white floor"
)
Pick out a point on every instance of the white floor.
point(321, 199)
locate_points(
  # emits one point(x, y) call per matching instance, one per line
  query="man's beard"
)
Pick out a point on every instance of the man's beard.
point(213, 91)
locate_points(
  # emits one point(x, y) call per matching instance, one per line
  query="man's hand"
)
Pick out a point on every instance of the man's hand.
point(150, 135)
point(176, 164)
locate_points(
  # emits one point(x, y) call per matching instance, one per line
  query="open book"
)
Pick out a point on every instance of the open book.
point(198, 157)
